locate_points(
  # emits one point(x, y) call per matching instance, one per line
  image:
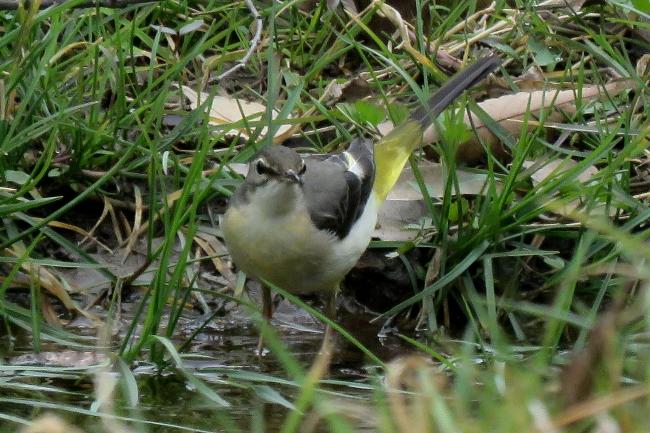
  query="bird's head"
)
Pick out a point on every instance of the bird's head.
point(276, 164)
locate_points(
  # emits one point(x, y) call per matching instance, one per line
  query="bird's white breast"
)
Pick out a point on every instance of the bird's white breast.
point(272, 237)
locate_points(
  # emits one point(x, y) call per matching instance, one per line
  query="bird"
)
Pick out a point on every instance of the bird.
point(302, 221)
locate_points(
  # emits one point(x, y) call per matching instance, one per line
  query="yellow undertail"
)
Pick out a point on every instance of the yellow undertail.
point(391, 154)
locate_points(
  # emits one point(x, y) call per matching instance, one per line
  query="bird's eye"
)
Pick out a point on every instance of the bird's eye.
point(303, 169)
point(262, 168)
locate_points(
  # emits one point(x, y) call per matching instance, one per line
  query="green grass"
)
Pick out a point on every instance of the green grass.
point(528, 299)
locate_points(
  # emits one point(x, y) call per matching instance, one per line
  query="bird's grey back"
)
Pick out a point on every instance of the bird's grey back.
point(337, 187)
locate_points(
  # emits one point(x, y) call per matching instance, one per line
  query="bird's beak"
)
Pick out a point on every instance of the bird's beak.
point(293, 177)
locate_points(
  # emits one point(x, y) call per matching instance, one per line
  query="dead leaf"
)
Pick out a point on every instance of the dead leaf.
point(404, 209)
point(348, 5)
point(546, 169)
point(90, 281)
point(572, 5)
point(408, 381)
point(226, 110)
point(239, 168)
point(76, 229)
point(54, 284)
point(105, 212)
point(395, 216)
point(62, 358)
point(214, 248)
point(137, 223)
point(643, 65)
point(385, 127)
point(470, 183)
point(509, 110)
point(578, 375)
point(349, 91)
point(50, 423)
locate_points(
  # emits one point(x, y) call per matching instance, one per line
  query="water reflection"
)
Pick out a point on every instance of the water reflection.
point(222, 355)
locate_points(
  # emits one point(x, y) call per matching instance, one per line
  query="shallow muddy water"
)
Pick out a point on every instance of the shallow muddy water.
point(223, 355)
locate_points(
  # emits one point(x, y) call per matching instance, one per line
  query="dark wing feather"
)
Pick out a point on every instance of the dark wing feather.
point(337, 186)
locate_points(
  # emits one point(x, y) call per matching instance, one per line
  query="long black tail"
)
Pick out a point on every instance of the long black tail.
point(454, 87)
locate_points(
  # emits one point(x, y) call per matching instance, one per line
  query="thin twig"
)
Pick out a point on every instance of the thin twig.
point(8, 5)
point(254, 42)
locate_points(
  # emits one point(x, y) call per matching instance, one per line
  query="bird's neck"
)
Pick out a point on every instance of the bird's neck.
point(277, 198)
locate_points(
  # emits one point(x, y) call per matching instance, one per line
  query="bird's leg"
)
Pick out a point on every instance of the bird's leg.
point(330, 313)
point(267, 313)
point(330, 305)
point(267, 302)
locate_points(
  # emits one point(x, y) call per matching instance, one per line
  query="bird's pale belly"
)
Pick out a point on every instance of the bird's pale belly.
point(289, 251)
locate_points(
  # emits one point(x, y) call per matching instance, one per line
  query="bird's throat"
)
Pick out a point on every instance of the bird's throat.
point(277, 198)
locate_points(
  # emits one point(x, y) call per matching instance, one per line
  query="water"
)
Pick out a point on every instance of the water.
point(223, 356)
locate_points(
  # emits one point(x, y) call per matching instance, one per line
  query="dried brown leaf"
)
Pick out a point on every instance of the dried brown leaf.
point(215, 248)
point(415, 375)
point(50, 423)
point(404, 205)
point(509, 110)
point(547, 169)
point(226, 110)
point(137, 224)
point(49, 281)
point(62, 358)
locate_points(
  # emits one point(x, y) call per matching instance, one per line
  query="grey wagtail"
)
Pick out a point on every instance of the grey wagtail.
point(301, 222)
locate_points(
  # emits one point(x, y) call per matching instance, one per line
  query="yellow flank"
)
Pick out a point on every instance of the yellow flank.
point(391, 154)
